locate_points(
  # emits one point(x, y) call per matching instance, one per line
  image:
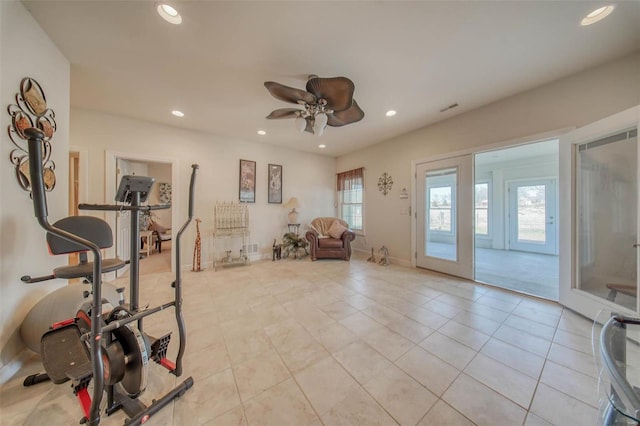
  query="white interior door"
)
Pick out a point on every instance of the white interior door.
point(599, 183)
point(445, 216)
point(532, 216)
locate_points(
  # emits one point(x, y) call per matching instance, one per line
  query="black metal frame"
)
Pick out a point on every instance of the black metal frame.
point(137, 412)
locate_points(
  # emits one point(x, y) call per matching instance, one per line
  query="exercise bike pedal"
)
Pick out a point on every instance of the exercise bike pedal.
point(63, 352)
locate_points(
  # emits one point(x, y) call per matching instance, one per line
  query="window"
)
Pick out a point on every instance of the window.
point(350, 187)
point(482, 209)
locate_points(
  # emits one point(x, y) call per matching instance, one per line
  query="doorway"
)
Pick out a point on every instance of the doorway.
point(164, 170)
point(516, 218)
point(444, 232)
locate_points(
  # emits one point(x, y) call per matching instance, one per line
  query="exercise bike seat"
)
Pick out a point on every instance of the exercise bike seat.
point(90, 228)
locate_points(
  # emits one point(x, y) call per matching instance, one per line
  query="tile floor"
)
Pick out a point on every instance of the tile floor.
point(297, 342)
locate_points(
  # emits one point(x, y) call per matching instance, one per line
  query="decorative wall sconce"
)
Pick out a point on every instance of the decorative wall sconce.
point(385, 183)
point(30, 110)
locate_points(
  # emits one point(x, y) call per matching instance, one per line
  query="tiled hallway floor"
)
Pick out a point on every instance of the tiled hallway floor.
point(352, 343)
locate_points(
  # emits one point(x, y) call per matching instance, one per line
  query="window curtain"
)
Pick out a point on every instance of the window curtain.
point(350, 180)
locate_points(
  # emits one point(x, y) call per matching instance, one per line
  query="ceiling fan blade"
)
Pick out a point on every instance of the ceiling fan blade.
point(284, 113)
point(337, 91)
point(289, 94)
point(348, 116)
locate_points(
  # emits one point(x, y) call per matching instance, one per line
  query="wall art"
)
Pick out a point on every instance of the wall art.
point(164, 189)
point(30, 110)
point(247, 181)
point(385, 183)
point(275, 184)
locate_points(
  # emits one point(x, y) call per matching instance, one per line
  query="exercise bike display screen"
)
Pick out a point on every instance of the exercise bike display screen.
point(130, 184)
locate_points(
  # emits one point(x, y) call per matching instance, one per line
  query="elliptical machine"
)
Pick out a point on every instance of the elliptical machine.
point(102, 343)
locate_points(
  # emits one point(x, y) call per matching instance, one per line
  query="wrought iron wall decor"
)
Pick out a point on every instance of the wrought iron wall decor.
point(385, 183)
point(30, 110)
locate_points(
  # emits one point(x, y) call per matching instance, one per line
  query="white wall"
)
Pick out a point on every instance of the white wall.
point(309, 177)
point(26, 51)
point(572, 101)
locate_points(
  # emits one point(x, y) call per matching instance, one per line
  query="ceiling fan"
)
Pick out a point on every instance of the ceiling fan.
point(327, 101)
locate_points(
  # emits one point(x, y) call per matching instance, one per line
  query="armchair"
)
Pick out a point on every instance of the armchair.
point(330, 238)
point(160, 233)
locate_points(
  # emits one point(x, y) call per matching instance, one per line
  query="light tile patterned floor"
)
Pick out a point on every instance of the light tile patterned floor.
point(296, 342)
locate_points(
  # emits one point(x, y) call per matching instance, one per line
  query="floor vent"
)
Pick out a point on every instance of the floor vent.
point(251, 248)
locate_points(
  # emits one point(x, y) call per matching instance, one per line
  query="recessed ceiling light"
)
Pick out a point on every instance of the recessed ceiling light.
point(169, 13)
point(177, 113)
point(262, 132)
point(597, 15)
point(391, 113)
point(322, 146)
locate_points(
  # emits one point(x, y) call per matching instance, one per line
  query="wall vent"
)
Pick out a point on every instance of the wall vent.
point(449, 107)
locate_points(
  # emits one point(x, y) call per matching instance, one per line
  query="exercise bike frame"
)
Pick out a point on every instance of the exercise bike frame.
point(95, 336)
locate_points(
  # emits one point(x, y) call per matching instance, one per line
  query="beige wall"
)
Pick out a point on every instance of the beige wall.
point(570, 102)
point(308, 177)
point(26, 51)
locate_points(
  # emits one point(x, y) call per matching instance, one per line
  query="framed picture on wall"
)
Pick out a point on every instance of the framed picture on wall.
point(247, 181)
point(275, 184)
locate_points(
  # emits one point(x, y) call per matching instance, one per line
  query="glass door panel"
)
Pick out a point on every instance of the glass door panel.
point(441, 208)
point(607, 213)
point(599, 183)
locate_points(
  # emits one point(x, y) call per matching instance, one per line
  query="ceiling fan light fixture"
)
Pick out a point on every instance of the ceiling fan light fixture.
point(300, 123)
point(169, 13)
point(597, 15)
point(262, 132)
point(322, 146)
point(320, 123)
point(390, 113)
point(177, 113)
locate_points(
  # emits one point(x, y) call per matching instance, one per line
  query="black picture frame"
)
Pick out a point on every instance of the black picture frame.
point(274, 184)
point(247, 183)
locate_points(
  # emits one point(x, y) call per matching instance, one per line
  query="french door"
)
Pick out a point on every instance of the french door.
point(445, 216)
point(533, 216)
point(599, 184)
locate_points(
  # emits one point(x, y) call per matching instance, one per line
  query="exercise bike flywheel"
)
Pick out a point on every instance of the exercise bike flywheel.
point(126, 359)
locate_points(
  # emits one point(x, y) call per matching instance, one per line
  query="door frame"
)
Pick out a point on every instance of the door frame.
point(111, 188)
point(569, 296)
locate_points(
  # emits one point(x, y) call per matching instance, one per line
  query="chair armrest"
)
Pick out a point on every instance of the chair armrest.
point(312, 237)
point(348, 236)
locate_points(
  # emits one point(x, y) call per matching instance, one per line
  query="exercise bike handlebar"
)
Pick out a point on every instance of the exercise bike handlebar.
point(121, 207)
point(35, 140)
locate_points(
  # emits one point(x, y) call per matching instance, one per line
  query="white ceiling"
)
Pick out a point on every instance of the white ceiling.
point(414, 57)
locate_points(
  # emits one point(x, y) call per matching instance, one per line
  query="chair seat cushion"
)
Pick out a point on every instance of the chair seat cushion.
point(86, 269)
point(329, 243)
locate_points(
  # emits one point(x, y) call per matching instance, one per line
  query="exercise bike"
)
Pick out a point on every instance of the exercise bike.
point(102, 344)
